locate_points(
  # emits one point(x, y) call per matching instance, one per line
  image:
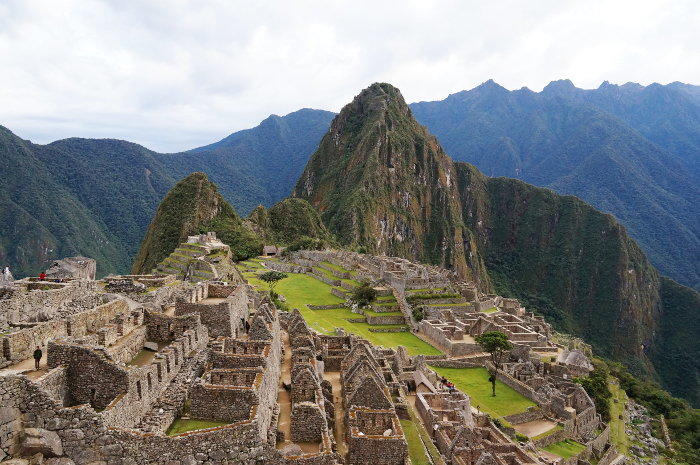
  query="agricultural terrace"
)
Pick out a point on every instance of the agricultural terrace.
point(301, 290)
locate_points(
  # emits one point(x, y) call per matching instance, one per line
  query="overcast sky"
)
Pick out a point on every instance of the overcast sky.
point(174, 75)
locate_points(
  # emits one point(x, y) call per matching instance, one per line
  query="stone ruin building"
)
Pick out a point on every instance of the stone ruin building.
point(128, 359)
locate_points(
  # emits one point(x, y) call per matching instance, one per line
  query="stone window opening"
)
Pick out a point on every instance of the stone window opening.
point(149, 381)
point(138, 389)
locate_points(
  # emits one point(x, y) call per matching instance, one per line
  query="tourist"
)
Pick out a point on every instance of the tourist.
point(42, 276)
point(37, 357)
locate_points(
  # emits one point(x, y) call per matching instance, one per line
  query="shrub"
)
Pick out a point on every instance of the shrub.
point(364, 294)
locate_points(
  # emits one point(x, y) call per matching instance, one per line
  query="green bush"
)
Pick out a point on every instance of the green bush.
point(364, 294)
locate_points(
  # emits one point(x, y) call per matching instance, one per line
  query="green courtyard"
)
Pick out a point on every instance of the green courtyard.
point(475, 383)
point(301, 290)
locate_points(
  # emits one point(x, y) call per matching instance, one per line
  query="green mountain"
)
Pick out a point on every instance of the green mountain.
point(383, 184)
point(194, 205)
point(289, 221)
point(629, 150)
point(96, 197)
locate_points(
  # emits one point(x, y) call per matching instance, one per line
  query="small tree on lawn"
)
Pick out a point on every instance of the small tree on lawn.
point(272, 278)
point(364, 294)
point(495, 343)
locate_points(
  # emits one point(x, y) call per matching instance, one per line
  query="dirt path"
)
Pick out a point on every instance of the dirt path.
point(534, 428)
point(339, 429)
point(284, 421)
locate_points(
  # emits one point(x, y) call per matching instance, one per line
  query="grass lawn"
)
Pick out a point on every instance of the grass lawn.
point(325, 321)
point(180, 426)
point(475, 383)
point(301, 289)
point(565, 449)
point(415, 446)
point(617, 425)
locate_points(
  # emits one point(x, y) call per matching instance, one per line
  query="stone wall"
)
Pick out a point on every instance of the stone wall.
point(308, 422)
point(92, 378)
point(531, 414)
point(87, 440)
point(216, 317)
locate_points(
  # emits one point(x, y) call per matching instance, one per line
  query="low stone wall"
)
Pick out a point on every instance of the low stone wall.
point(386, 320)
point(455, 363)
point(531, 414)
point(520, 387)
point(128, 346)
point(549, 439)
point(324, 307)
point(338, 293)
point(55, 383)
point(609, 456)
point(323, 278)
point(388, 330)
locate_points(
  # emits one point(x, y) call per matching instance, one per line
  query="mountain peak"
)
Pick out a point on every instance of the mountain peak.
point(559, 87)
point(490, 85)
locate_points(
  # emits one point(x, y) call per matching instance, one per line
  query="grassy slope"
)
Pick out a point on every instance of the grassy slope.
point(565, 449)
point(474, 382)
point(416, 450)
point(617, 423)
point(301, 290)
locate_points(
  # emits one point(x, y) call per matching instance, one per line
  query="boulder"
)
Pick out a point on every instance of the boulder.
point(37, 440)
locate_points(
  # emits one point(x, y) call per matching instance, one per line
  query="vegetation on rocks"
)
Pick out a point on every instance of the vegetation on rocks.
point(193, 206)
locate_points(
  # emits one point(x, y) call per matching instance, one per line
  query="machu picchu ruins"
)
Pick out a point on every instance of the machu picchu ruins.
point(199, 363)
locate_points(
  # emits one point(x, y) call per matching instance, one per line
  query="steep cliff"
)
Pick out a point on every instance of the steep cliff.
point(382, 183)
point(192, 206)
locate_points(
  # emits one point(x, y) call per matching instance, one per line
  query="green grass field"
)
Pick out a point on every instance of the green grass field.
point(617, 425)
point(565, 449)
point(180, 426)
point(415, 446)
point(301, 290)
point(475, 382)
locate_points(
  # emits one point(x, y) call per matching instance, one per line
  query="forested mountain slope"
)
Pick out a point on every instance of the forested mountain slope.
point(629, 150)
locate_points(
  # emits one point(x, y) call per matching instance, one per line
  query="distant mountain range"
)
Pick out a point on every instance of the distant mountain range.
point(96, 197)
point(630, 150)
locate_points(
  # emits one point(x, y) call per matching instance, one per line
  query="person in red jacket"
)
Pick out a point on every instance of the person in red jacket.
point(42, 276)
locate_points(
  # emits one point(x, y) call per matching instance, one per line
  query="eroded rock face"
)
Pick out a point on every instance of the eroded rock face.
point(41, 441)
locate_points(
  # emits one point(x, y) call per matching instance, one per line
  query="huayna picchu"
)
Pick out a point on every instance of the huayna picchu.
point(398, 308)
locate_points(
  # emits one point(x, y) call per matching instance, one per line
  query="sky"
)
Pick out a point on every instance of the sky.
point(174, 75)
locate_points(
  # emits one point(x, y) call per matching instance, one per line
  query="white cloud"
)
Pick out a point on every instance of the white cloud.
point(178, 74)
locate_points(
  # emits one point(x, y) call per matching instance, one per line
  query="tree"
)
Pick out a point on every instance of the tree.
point(364, 294)
point(272, 278)
point(495, 343)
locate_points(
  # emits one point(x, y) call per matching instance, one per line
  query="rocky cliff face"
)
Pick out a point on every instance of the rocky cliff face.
point(381, 182)
point(192, 206)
